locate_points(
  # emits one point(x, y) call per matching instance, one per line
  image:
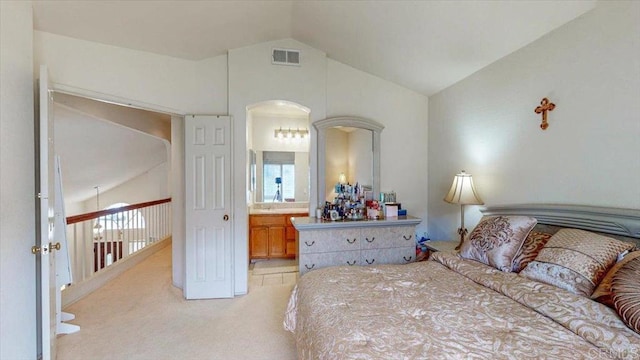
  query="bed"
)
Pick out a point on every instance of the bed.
point(518, 305)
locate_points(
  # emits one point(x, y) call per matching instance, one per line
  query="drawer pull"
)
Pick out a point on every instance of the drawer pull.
point(407, 260)
point(372, 239)
point(372, 261)
point(306, 243)
point(351, 263)
point(351, 241)
point(309, 268)
point(407, 238)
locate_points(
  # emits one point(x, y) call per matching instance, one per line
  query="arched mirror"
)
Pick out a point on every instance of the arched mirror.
point(348, 151)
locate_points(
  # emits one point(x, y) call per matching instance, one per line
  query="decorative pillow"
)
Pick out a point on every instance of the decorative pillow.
point(575, 260)
point(532, 245)
point(626, 293)
point(495, 241)
point(603, 293)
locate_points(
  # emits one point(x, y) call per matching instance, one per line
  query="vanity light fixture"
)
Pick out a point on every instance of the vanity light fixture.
point(291, 133)
point(463, 192)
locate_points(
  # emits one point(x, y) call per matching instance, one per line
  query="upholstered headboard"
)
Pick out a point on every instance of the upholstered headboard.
point(623, 224)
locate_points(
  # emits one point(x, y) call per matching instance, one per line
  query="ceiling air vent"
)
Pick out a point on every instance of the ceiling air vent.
point(285, 57)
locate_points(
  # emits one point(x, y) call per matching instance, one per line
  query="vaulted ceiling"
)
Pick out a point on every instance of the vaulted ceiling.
point(425, 46)
point(98, 147)
point(422, 45)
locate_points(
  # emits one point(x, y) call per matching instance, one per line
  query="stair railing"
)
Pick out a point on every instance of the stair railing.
point(99, 239)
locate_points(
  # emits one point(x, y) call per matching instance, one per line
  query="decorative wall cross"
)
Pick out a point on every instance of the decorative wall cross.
point(545, 106)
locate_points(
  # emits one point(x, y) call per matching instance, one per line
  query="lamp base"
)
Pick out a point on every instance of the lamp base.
point(462, 232)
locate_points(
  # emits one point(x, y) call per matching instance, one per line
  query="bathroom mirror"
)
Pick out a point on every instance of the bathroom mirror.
point(361, 163)
point(282, 176)
point(278, 142)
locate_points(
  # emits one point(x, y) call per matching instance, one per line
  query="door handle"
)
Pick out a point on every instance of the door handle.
point(44, 249)
point(225, 217)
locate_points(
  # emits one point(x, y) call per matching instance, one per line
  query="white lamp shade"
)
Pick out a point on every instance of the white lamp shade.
point(463, 191)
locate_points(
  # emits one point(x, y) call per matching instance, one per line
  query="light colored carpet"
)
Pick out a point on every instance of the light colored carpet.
point(274, 266)
point(140, 315)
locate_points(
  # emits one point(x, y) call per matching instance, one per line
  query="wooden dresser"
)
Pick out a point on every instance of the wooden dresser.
point(272, 236)
point(326, 243)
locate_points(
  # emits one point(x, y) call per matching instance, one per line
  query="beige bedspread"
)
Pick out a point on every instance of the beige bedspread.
point(448, 308)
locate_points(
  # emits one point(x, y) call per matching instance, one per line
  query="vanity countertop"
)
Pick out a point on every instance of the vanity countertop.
point(279, 211)
point(311, 223)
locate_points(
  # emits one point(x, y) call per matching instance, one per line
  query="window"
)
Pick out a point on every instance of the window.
point(128, 226)
point(278, 165)
point(131, 219)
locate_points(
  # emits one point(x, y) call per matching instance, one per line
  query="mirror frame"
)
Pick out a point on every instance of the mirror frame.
point(346, 121)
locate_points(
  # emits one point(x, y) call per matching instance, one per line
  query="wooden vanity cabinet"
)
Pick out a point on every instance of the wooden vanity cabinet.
point(272, 236)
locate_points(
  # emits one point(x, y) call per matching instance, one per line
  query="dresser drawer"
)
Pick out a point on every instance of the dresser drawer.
point(388, 256)
point(319, 241)
point(308, 262)
point(388, 237)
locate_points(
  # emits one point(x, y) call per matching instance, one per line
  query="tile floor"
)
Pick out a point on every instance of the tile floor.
point(289, 278)
point(280, 278)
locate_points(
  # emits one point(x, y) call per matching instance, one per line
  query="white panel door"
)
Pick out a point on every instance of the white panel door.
point(208, 251)
point(45, 280)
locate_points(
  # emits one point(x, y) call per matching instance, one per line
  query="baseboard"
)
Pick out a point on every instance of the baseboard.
point(78, 291)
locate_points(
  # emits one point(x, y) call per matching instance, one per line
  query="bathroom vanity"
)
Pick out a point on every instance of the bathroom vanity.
point(271, 233)
point(323, 243)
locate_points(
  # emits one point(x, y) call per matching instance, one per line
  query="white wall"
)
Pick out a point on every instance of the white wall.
point(145, 80)
point(589, 155)
point(138, 77)
point(253, 79)
point(17, 188)
point(403, 160)
point(152, 185)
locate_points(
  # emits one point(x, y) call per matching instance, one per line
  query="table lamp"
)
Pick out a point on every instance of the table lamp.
point(464, 193)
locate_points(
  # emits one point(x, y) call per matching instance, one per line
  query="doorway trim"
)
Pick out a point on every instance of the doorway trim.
point(176, 165)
